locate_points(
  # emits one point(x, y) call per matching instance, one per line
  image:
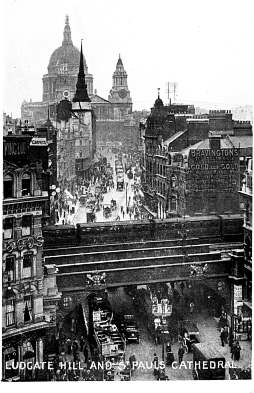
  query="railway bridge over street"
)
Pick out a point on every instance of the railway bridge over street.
point(83, 270)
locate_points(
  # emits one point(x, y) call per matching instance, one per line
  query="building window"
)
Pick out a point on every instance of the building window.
point(8, 227)
point(26, 225)
point(27, 265)
point(173, 204)
point(67, 300)
point(28, 309)
point(247, 213)
point(8, 187)
point(26, 184)
point(10, 268)
point(10, 312)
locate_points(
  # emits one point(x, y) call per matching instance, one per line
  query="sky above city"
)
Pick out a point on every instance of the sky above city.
point(205, 46)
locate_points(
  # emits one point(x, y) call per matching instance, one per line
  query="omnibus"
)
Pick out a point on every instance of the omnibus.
point(120, 182)
point(208, 362)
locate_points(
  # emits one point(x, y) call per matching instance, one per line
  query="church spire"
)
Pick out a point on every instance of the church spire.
point(67, 32)
point(81, 94)
point(119, 61)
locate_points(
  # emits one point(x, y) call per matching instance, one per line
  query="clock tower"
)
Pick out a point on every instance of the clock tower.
point(120, 94)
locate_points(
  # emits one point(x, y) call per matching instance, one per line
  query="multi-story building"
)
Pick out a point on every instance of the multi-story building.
point(241, 275)
point(29, 295)
point(246, 201)
point(203, 179)
point(163, 126)
point(9, 124)
point(176, 143)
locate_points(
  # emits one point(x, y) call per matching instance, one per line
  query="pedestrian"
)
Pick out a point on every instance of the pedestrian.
point(222, 336)
point(237, 351)
point(132, 360)
point(233, 350)
point(170, 358)
point(123, 213)
point(155, 364)
point(81, 342)
point(226, 330)
point(168, 347)
point(180, 353)
point(186, 342)
point(75, 347)
point(192, 307)
point(231, 339)
point(68, 343)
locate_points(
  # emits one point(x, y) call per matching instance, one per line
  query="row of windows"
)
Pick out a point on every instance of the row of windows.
point(161, 169)
point(160, 187)
point(27, 310)
point(158, 168)
point(10, 266)
point(9, 185)
point(26, 226)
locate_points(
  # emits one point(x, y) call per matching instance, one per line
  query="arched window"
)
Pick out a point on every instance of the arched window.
point(26, 184)
point(8, 186)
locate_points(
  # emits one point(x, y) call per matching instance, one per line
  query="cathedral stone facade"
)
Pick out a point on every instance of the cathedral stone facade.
point(61, 79)
point(114, 120)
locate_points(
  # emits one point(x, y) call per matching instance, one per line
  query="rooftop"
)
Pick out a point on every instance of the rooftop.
point(168, 141)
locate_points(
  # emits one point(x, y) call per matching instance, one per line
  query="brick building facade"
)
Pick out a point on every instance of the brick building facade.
point(29, 292)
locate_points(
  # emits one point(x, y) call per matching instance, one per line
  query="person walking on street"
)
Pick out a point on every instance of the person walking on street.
point(192, 307)
point(132, 360)
point(237, 351)
point(180, 353)
point(81, 342)
point(85, 352)
point(155, 364)
point(222, 336)
point(226, 333)
point(230, 339)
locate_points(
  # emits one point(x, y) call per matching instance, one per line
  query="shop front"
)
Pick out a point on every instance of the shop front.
point(20, 352)
point(242, 322)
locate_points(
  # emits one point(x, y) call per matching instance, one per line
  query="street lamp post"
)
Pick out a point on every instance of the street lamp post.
point(126, 190)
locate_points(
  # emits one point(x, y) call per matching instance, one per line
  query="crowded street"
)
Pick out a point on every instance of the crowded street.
point(145, 350)
point(80, 357)
point(100, 199)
